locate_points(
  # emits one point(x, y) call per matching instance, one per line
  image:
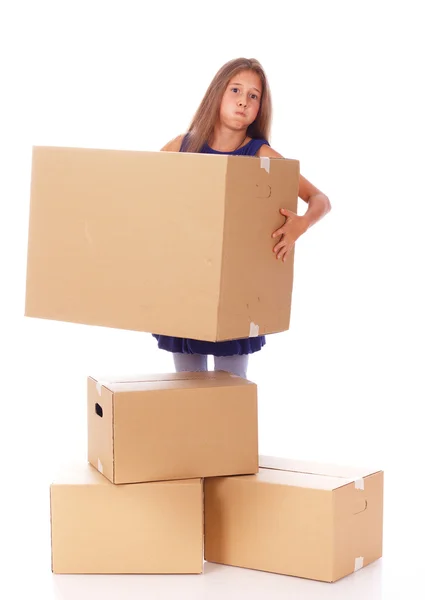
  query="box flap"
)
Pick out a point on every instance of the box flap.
point(301, 480)
point(85, 474)
point(334, 476)
point(130, 383)
point(160, 376)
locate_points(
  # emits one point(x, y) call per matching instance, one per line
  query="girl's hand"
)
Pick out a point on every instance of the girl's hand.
point(292, 229)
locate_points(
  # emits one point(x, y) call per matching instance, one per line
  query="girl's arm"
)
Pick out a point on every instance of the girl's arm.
point(295, 225)
point(318, 203)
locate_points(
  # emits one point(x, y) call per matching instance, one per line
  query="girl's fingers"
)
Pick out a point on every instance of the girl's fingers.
point(279, 246)
point(281, 231)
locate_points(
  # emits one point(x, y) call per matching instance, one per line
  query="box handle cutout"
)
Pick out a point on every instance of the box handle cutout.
point(363, 509)
point(264, 191)
point(98, 409)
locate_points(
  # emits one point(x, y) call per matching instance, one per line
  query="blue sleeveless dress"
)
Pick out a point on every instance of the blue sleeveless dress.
point(230, 347)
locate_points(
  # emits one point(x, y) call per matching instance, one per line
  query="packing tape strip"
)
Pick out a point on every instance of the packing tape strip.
point(99, 466)
point(99, 387)
point(254, 330)
point(265, 163)
point(358, 563)
point(359, 484)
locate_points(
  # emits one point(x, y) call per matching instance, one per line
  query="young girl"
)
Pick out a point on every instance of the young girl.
point(234, 118)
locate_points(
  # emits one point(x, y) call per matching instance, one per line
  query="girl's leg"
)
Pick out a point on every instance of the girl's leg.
point(237, 364)
point(190, 362)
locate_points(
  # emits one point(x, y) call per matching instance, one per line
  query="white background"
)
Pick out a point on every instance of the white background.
point(345, 384)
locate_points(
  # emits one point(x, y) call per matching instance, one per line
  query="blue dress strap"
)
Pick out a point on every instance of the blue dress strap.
point(253, 147)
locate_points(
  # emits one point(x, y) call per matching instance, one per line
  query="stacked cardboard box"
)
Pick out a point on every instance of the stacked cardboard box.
point(161, 242)
point(168, 430)
point(296, 518)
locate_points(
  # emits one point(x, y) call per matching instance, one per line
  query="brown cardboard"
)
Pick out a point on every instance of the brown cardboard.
point(296, 518)
point(97, 527)
point(172, 426)
point(170, 243)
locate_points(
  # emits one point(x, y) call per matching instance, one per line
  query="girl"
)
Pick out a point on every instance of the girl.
point(234, 118)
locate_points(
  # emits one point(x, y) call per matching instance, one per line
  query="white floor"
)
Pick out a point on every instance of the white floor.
point(217, 582)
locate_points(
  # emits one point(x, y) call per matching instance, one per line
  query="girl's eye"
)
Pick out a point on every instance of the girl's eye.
point(235, 90)
point(254, 96)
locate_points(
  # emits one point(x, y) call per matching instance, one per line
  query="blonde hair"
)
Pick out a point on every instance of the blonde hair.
point(205, 118)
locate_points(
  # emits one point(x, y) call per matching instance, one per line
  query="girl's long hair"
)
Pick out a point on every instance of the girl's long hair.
point(205, 118)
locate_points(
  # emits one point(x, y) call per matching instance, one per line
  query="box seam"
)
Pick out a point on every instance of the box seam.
point(113, 437)
point(226, 174)
point(51, 530)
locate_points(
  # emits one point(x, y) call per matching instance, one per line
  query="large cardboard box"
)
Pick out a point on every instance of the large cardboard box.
point(172, 426)
point(296, 518)
point(98, 527)
point(169, 243)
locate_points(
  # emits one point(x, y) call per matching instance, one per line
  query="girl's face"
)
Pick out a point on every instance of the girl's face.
point(241, 100)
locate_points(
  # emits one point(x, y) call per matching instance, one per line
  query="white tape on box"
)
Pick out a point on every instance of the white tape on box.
point(359, 484)
point(254, 330)
point(265, 163)
point(99, 466)
point(358, 563)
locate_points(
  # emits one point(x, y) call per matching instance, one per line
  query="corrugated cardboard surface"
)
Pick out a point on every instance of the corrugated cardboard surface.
point(174, 426)
point(170, 243)
point(254, 285)
point(98, 527)
point(311, 525)
point(358, 529)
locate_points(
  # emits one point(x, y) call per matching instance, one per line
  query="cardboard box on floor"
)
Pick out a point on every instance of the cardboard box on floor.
point(98, 527)
point(169, 243)
point(296, 518)
point(172, 426)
